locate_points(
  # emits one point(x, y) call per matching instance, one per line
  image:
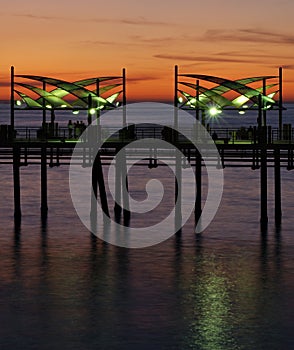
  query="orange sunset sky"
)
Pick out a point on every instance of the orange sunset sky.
point(78, 39)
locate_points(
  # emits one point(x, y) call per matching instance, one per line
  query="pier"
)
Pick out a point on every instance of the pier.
point(50, 145)
point(262, 151)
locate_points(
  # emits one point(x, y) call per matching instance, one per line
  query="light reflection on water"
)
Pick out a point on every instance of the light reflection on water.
point(228, 288)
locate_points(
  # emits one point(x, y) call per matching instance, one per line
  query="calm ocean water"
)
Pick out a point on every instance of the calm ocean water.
point(230, 287)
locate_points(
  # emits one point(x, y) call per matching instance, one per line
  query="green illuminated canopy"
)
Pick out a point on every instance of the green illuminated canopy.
point(78, 93)
point(203, 96)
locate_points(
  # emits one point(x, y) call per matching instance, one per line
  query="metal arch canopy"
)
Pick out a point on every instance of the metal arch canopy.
point(28, 100)
point(210, 94)
point(214, 94)
point(53, 100)
point(64, 88)
point(59, 92)
point(74, 89)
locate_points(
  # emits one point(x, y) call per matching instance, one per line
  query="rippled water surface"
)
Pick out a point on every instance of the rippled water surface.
point(229, 288)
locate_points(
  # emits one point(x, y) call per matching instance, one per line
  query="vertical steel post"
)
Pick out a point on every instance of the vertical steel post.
point(278, 206)
point(97, 165)
point(16, 182)
point(198, 175)
point(94, 191)
point(117, 206)
point(263, 177)
point(197, 99)
point(263, 102)
point(89, 109)
point(98, 110)
point(125, 187)
point(178, 190)
point(124, 97)
point(44, 207)
point(44, 108)
point(12, 102)
point(176, 97)
point(280, 101)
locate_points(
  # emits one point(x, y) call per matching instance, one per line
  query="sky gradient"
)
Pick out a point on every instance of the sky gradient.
point(76, 40)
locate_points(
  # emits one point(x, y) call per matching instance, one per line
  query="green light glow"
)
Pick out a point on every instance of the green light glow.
point(49, 106)
point(213, 111)
point(18, 102)
point(92, 111)
point(272, 95)
point(240, 100)
point(63, 106)
point(241, 112)
point(181, 99)
point(75, 111)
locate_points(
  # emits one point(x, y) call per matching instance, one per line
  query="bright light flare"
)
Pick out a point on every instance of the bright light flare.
point(213, 111)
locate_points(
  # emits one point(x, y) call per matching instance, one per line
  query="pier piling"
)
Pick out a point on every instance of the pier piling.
point(263, 177)
point(98, 181)
point(16, 182)
point(44, 206)
point(198, 175)
point(278, 209)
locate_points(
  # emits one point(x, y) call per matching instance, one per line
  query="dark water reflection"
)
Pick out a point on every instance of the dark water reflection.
point(228, 288)
point(183, 294)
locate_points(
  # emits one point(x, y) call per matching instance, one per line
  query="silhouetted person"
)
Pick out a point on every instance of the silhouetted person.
point(250, 132)
point(70, 129)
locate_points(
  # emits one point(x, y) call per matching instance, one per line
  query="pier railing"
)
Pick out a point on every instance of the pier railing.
point(220, 135)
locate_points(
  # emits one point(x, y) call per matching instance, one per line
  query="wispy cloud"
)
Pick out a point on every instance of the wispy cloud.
point(4, 83)
point(100, 42)
point(134, 40)
point(253, 35)
point(285, 66)
point(132, 21)
point(137, 21)
point(202, 58)
point(154, 40)
point(138, 79)
point(262, 55)
point(38, 17)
